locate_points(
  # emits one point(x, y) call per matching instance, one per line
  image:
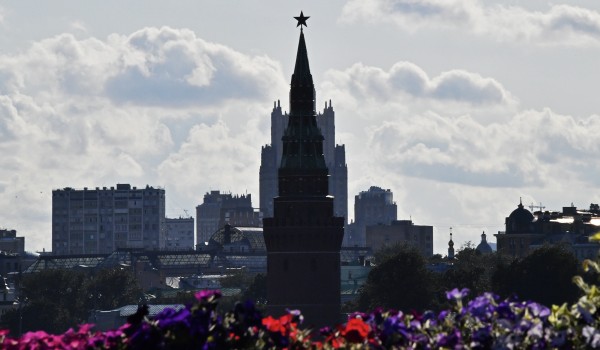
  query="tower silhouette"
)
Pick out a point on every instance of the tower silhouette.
point(303, 237)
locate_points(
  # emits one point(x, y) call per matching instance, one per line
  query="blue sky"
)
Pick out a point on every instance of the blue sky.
point(460, 107)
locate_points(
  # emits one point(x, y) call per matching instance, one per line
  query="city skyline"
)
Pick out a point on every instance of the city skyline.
point(460, 108)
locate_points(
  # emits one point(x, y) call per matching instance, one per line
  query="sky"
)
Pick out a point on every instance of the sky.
point(460, 107)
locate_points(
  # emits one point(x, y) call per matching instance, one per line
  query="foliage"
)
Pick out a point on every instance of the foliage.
point(473, 270)
point(55, 300)
point(544, 276)
point(257, 290)
point(400, 281)
point(481, 323)
point(239, 279)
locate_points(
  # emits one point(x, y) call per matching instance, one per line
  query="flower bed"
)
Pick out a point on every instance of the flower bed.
point(480, 323)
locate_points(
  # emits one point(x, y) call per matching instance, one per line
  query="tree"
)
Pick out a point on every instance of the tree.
point(544, 276)
point(473, 270)
point(56, 300)
point(399, 281)
point(109, 289)
point(257, 291)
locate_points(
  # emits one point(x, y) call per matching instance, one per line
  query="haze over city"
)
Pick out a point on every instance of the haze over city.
point(459, 107)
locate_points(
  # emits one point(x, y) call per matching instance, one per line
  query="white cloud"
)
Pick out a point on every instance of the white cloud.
point(159, 107)
point(78, 26)
point(406, 84)
point(560, 24)
point(174, 67)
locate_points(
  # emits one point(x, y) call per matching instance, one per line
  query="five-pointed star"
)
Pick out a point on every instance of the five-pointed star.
point(301, 20)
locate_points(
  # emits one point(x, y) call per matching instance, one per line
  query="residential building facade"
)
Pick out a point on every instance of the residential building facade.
point(100, 220)
point(219, 209)
point(10, 243)
point(401, 231)
point(180, 233)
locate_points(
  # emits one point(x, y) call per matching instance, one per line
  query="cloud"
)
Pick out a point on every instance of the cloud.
point(559, 25)
point(523, 149)
point(530, 149)
point(159, 106)
point(407, 82)
point(153, 66)
point(174, 67)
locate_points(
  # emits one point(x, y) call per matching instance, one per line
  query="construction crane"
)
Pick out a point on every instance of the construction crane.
point(540, 207)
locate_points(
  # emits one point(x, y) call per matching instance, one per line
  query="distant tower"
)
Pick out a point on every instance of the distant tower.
point(304, 236)
point(483, 246)
point(450, 247)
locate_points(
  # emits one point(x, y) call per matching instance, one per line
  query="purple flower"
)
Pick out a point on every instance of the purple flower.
point(171, 318)
point(451, 340)
point(538, 310)
point(504, 310)
point(536, 332)
point(559, 339)
point(208, 295)
point(296, 316)
point(482, 338)
point(442, 315)
point(592, 336)
point(481, 307)
point(456, 294)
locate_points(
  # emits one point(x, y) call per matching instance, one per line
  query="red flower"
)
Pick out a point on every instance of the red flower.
point(356, 330)
point(273, 325)
point(281, 325)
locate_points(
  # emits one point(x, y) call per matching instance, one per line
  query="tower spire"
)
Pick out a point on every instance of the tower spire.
point(450, 246)
point(302, 69)
point(302, 140)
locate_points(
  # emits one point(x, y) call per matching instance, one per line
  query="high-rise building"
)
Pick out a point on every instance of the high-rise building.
point(304, 236)
point(335, 160)
point(180, 234)
point(373, 207)
point(10, 243)
point(100, 220)
point(219, 209)
point(401, 232)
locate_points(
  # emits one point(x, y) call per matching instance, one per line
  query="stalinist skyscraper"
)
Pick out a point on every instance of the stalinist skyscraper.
point(304, 236)
point(335, 159)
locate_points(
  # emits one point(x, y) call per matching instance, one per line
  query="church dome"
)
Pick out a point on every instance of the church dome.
point(483, 246)
point(519, 221)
